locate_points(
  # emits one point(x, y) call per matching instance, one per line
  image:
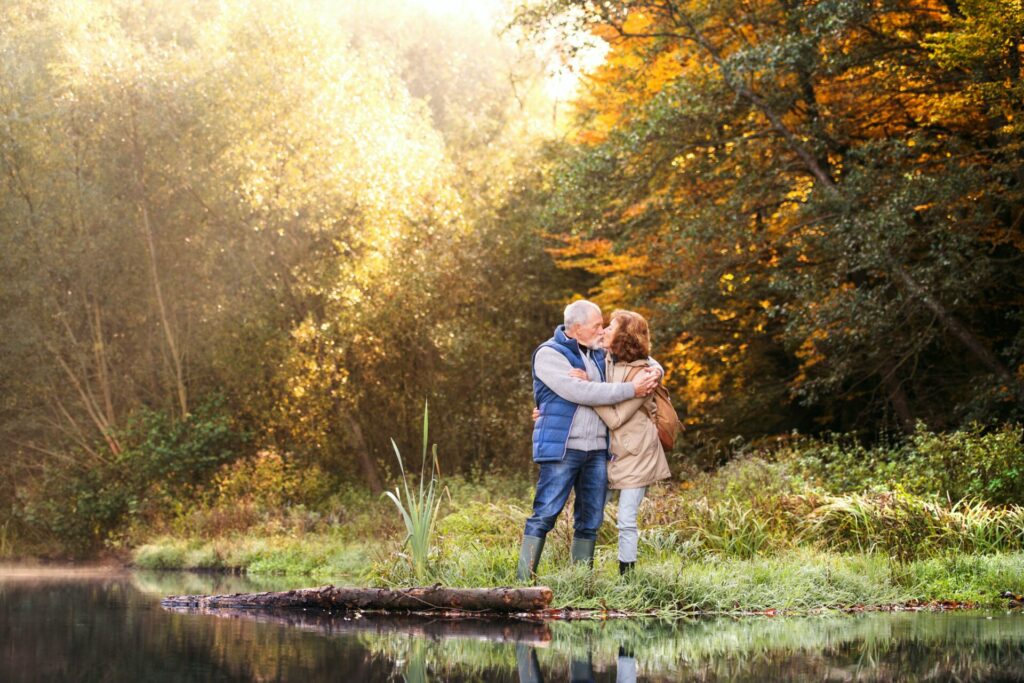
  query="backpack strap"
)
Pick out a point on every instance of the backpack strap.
point(630, 374)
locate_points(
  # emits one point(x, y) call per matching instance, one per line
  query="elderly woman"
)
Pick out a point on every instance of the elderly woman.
point(638, 458)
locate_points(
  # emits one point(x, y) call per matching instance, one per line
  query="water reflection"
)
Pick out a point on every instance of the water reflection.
point(162, 584)
point(878, 647)
point(494, 631)
point(111, 627)
point(581, 667)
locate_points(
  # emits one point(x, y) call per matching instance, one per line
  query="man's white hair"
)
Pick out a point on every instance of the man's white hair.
point(578, 312)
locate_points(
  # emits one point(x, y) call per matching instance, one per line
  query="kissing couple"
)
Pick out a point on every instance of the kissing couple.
point(594, 430)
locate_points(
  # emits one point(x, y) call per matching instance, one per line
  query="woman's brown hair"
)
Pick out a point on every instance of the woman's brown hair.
point(632, 338)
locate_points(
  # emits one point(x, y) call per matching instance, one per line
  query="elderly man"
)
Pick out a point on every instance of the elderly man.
point(570, 442)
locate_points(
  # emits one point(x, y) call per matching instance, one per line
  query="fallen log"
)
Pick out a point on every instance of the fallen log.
point(529, 599)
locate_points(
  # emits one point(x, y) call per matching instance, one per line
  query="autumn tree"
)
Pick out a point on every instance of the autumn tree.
point(257, 225)
point(810, 200)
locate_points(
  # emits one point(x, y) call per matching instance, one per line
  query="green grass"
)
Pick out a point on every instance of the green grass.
point(320, 557)
point(750, 537)
point(801, 581)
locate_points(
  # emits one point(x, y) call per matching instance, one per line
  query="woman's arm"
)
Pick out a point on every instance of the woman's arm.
point(618, 414)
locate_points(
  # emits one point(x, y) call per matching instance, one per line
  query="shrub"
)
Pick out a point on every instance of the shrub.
point(971, 463)
point(164, 464)
point(268, 481)
point(987, 466)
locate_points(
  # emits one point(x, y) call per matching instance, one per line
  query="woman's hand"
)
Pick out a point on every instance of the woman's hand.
point(579, 374)
point(645, 381)
point(536, 414)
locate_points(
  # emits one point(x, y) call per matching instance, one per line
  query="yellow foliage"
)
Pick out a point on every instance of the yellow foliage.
point(612, 89)
point(267, 480)
point(595, 255)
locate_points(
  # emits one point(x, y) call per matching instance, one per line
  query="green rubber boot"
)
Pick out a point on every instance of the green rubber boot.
point(529, 557)
point(582, 551)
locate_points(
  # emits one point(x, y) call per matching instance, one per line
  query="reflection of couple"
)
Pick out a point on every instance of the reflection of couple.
point(588, 380)
point(581, 668)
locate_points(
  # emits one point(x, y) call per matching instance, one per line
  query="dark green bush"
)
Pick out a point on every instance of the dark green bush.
point(973, 463)
point(164, 463)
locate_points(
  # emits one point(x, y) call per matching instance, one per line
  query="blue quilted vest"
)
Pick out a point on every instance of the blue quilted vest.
point(551, 430)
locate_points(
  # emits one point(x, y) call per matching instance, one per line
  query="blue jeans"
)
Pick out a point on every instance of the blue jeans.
point(586, 472)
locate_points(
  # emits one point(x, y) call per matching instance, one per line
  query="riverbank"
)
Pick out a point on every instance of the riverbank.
point(801, 526)
point(802, 581)
point(755, 536)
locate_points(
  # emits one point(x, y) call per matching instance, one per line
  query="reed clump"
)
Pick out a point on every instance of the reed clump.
point(419, 507)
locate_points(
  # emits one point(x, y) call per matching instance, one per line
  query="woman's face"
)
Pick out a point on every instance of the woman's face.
point(609, 332)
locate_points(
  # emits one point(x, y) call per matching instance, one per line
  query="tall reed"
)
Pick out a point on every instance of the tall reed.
point(419, 508)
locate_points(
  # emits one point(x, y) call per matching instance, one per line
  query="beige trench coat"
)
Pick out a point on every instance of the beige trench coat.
point(639, 459)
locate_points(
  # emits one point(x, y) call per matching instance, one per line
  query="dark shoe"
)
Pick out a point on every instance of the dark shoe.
point(529, 557)
point(582, 550)
point(625, 567)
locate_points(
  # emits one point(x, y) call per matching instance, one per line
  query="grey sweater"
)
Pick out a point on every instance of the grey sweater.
point(588, 432)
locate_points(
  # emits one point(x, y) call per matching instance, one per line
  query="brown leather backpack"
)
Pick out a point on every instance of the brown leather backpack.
point(665, 417)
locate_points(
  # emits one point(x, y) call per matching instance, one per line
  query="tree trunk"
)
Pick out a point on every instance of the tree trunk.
point(532, 599)
point(88, 401)
point(102, 364)
point(898, 399)
point(966, 337)
point(147, 230)
point(357, 442)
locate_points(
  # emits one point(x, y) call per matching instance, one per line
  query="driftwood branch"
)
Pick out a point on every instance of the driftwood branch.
point(435, 598)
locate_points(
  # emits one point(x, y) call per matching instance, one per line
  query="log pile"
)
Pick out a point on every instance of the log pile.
point(429, 599)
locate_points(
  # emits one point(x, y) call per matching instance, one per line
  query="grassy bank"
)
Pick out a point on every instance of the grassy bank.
point(799, 581)
point(768, 531)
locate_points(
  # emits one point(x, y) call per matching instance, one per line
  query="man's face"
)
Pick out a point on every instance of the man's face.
point(591, 332)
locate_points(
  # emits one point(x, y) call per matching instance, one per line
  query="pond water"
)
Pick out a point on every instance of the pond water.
point(108, 626)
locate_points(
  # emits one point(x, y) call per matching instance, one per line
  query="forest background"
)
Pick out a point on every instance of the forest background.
point(242, 242)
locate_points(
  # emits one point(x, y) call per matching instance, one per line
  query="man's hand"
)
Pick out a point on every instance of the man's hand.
point(579, 374)
point(645, 381)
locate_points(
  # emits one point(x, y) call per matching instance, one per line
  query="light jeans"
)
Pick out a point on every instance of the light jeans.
point(629, 503)
point(625, 671)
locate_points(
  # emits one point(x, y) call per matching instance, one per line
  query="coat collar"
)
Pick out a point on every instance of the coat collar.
point(574, 346)
point(565, 340)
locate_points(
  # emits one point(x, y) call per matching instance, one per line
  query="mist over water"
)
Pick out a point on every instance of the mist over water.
point(110, 627)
